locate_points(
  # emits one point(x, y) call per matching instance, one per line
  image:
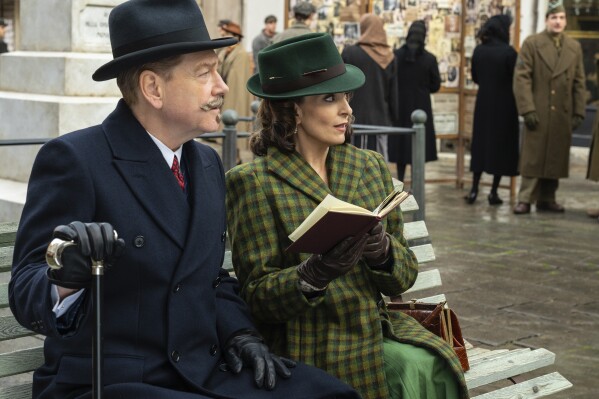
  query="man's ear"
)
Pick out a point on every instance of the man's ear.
point(150, 86)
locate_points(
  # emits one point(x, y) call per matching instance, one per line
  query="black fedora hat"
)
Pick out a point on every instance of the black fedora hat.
point(144, 31)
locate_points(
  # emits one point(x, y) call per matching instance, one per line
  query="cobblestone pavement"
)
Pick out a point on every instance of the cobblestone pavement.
point(522, 281)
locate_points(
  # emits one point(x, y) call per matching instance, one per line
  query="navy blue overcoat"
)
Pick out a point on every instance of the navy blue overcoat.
point(168, 305)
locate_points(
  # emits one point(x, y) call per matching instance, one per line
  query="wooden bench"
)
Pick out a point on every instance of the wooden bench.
point(487, 366)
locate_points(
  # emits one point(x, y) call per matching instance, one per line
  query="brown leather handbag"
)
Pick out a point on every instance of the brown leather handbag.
point(438, 319)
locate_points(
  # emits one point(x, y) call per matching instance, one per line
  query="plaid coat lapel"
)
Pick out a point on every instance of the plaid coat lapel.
point(293, 168)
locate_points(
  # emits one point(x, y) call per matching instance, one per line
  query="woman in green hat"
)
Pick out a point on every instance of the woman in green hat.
point(326, 310)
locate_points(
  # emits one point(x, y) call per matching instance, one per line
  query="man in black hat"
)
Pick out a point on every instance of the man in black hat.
point(174, 326)
point(303, 14)
point(3, 45)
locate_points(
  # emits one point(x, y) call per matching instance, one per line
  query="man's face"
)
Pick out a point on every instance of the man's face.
point(2, 31)
point(270, 28)
point(556, 22)
point(192, 97)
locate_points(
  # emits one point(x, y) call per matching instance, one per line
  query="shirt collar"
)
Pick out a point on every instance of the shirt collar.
point(167, 153)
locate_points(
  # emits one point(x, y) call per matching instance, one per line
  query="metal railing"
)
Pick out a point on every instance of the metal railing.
point(229, 137)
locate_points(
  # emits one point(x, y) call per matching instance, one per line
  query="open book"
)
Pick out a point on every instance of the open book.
point(334, 220)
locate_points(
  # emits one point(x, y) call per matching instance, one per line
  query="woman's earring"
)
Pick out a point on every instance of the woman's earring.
point(295, 130)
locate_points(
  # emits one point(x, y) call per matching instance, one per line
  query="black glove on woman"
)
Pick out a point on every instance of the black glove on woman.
point(320, 270)
point(247, 348)
point(96, 241)
point(376, 251)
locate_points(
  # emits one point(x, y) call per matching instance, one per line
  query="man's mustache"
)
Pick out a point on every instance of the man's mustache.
point(213, 104)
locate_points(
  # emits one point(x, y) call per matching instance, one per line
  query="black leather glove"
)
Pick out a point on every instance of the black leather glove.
point(93, 241)
point(376, 250)
point(576, 121)
point(320, 270)
point(531, 120)
point(247, 348)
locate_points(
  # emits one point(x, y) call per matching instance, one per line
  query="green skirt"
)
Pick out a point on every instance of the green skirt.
point(417, 373)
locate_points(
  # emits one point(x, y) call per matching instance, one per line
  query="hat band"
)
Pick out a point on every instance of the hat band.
point(306, 80)
point(185, 35)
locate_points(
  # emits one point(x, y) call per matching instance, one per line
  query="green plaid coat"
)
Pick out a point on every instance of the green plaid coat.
point(341, 332)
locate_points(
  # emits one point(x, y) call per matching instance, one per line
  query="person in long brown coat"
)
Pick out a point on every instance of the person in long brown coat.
point(593, 169)
point(549, 87)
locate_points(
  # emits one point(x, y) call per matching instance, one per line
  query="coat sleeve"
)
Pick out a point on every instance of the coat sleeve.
point(268, 285)
point(434, 75)
point(59, 192)
point(522, 84)
point(579, 86)
point(405, 266)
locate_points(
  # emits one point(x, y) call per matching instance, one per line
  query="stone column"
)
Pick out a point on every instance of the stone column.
point(46, 87)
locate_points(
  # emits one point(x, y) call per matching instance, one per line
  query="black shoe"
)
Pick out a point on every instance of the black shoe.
point(494, 199)
point(471, 197)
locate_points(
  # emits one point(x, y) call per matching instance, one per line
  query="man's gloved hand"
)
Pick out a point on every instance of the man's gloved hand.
point(376, 251)
point(247, 348)
point(576, 121)
point(320, 270)
point(531, 120)
point(93, 241)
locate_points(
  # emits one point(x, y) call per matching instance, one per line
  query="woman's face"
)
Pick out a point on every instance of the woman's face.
point(323, 119)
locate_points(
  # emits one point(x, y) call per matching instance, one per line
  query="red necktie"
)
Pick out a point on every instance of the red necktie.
point(177, 172)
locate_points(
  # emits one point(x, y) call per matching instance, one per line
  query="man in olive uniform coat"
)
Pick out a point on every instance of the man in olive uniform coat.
point(549, 87)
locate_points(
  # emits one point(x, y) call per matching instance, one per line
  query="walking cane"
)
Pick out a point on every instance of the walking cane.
point(53, 258)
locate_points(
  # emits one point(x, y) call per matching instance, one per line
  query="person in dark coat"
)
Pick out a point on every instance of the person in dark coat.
point(174, 325)
point(373, 102)
point(495, 130)
point(417, 77)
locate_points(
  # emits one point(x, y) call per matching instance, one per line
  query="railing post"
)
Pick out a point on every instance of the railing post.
point(254, 108)
point(230, 119)
point(418, 157)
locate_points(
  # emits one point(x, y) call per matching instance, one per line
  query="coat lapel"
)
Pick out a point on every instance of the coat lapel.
point(548, 52)
point(344, 177)
point(150, 179)
point(566, 56)
point(294, 169)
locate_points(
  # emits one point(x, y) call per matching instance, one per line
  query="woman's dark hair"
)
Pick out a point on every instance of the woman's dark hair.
point(276, 120)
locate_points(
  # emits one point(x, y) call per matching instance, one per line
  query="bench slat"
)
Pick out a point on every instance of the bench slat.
point(508, 365)
point(409, 205)
point(483, 357)
point(415, 230)
point(8, 232)
point(424, 253)
point(534, 388)
point(16, 392)
point(9, 329)
point(21, 361)
point(3, 295)
point(5, 259)
point(425, 280)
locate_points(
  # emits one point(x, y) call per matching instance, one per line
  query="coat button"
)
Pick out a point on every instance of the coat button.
point(177, 288)
point(223, 237)
point(213, 350)
point(139, 241)
point(216, 282)
point(553, 107)
point(175, 356)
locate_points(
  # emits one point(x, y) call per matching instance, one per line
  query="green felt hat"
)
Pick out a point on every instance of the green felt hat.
point(301, 66)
